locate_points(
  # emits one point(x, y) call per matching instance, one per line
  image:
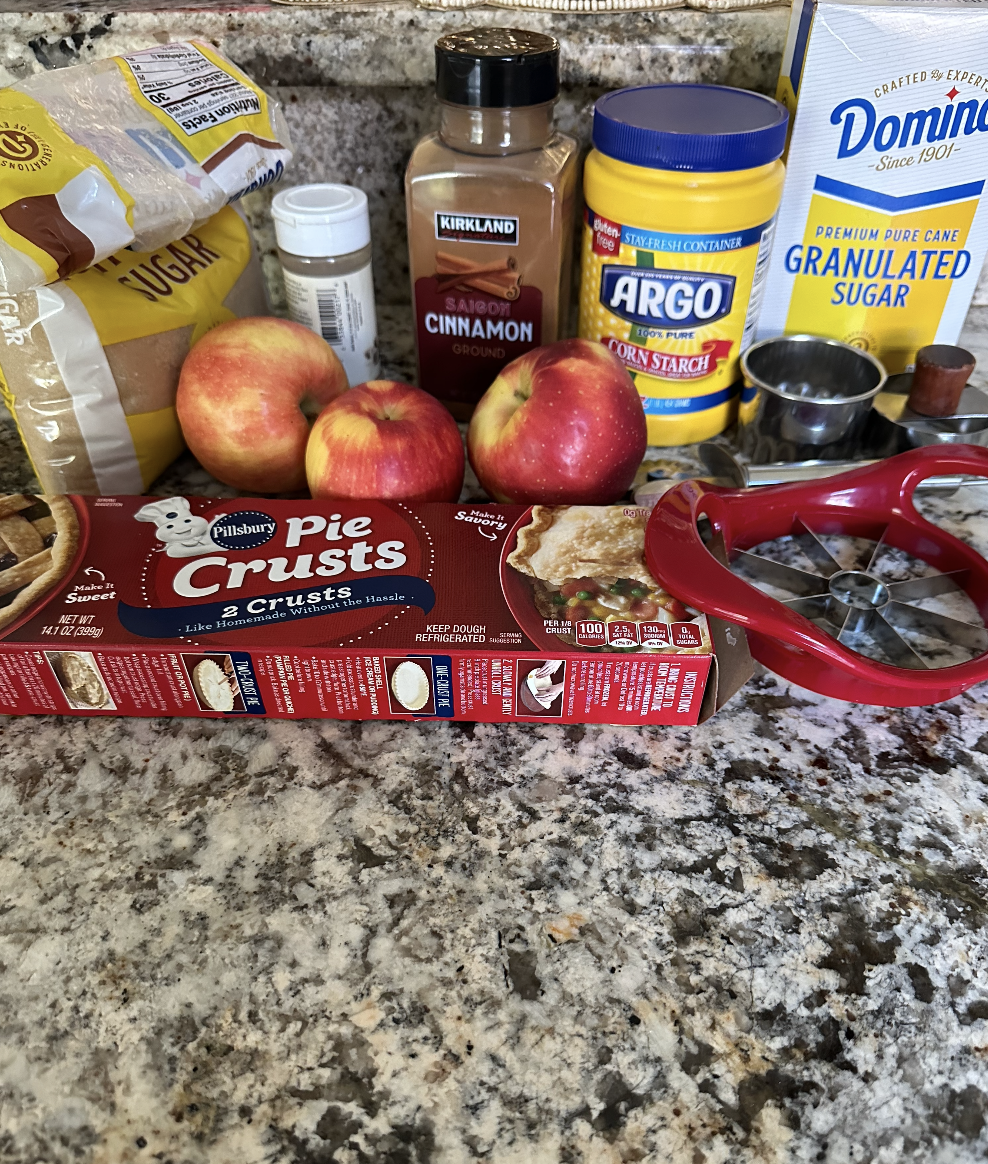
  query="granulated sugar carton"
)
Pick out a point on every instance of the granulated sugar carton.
point(883, 226)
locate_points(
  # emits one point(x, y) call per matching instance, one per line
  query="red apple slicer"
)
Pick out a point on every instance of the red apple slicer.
point(842, 586)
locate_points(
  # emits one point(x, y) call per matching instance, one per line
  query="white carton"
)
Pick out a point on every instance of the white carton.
point(883, 225)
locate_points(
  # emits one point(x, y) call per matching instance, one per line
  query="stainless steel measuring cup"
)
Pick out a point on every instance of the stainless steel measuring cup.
point(812, 397)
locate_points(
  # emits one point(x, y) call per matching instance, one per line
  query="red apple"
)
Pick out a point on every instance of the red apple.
point(561, 425)
point(241, 397)
point(387, 440)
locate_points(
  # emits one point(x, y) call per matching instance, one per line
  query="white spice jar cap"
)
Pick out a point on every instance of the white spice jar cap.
point(321, 220)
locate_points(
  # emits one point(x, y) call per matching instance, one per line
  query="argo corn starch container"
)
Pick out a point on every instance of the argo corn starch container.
point(883, 227)
point(682, 188)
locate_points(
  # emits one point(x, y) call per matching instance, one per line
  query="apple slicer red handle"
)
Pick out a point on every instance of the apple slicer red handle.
point(870, 502)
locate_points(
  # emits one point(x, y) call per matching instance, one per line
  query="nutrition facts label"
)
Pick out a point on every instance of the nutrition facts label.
point(189, 88)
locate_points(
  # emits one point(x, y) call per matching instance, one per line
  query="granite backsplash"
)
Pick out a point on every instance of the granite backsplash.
point(356, 83)
point(355, 80)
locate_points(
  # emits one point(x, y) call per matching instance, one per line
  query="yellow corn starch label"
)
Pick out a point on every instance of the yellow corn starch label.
point(677, 310)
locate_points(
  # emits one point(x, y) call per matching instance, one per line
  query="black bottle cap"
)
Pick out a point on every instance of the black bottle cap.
point(497, 68)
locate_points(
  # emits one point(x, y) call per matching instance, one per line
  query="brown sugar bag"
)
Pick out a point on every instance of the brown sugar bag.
point(89, 366)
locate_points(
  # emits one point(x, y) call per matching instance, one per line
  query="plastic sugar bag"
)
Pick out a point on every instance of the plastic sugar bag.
point(89, 366)
point(136, 150)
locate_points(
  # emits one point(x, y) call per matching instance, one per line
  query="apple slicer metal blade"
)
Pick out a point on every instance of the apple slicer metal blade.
point(873, 598)
point(895, 621)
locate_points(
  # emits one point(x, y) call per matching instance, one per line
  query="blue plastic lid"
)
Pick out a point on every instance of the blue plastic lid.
point(708, 128)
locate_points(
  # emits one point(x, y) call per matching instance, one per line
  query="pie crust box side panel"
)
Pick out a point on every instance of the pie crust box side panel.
point(308, 608)
point(324, 684)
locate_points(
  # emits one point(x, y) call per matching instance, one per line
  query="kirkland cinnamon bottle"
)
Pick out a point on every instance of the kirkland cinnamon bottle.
point(490, 202)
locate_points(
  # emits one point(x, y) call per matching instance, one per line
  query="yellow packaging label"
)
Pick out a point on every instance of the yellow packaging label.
point(157, 439)
point(883, 226)
point(91, 365)
point(135, 294)
point(200, 98)
point(677, 310)
point(38, 162)
point(886, 274)
point(132, 151)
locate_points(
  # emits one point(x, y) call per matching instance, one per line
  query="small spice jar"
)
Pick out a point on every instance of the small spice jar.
point(324, 245)
point(490, 200)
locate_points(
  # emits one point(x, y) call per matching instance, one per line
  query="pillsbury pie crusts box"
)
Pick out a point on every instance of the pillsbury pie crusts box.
point(883, 226)
point(350, 610)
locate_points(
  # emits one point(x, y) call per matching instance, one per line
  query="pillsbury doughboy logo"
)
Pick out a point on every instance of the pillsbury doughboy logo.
point(680, 299)
point(187, 535)
point(244, 530)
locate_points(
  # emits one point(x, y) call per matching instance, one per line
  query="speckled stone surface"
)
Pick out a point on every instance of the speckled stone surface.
point(759, 941)
point(391, 43)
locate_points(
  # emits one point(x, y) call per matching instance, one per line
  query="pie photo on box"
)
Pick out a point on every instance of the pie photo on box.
point(541, 684)
point(214, 682)
point(215, 685)
point(39, 537)
point(586, 564)
point(79, 678)
point(410, 685)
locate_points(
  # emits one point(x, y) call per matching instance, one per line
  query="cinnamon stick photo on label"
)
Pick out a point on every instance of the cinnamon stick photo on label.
point(501, 278)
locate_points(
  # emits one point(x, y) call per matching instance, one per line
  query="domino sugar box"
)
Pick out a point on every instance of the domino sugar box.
point(883, 227)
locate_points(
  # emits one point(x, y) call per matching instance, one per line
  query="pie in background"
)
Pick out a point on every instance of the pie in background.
point(39, 537)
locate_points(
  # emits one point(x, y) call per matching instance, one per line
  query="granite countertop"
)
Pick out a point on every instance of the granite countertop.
point(759, 941)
